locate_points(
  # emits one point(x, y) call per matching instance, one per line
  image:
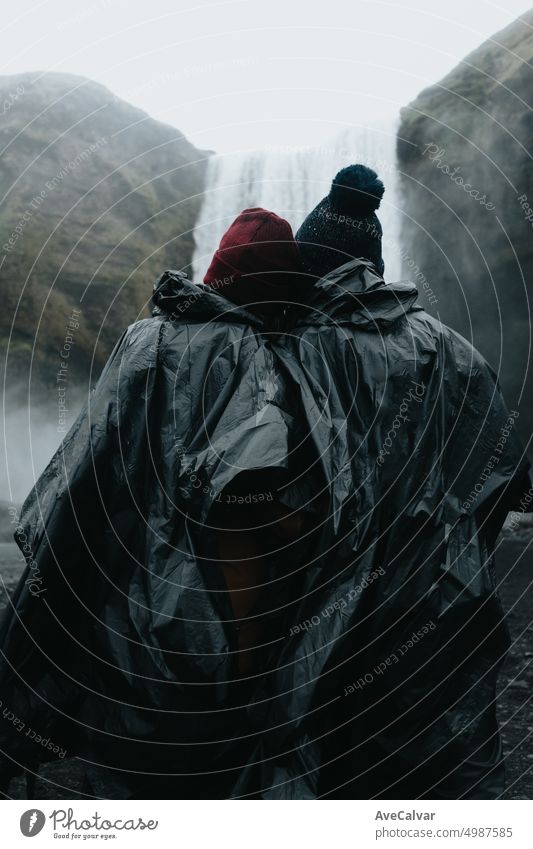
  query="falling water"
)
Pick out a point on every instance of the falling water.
point(291, 182)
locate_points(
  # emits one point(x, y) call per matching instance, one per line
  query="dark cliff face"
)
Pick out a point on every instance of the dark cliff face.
point(97, 199)
point(465, 150)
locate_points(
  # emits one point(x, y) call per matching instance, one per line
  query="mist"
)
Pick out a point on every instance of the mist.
point(30, 436)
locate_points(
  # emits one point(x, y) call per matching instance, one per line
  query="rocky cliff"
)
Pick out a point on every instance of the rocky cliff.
point(465, 150)
point(96, 199)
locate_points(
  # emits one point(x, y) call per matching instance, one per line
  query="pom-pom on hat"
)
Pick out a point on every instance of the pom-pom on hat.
point(344, 225)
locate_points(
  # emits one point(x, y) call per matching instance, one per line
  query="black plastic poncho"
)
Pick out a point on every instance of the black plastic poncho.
point(385, 632)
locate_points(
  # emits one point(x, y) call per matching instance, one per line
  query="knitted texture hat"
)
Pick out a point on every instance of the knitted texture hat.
point(344, 226)
point(257, 261)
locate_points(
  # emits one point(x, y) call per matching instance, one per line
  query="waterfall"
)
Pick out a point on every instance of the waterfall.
point(291, 182)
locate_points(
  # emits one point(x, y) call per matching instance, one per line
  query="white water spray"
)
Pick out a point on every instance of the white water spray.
point(291, 181)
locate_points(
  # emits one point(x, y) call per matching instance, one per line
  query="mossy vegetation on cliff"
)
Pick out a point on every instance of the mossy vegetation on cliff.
point(97, 199)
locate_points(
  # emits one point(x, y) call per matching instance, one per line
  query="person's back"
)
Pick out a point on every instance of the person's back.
point(420, 458)
point(128, 652)
point(416, 447)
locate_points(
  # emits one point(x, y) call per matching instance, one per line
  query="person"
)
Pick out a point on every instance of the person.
point(386, 682)
point(384, 686)
point(134, 635)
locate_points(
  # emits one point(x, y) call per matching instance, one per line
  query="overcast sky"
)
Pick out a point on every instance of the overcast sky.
point(248, 73)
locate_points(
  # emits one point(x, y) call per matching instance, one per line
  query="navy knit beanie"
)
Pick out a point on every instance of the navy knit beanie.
point(344, 225)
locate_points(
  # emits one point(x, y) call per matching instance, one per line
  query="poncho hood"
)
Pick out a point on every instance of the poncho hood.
point(356, 294)
point(175, 296)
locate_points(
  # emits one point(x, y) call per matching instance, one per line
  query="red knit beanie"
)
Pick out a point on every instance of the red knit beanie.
point(257, 262)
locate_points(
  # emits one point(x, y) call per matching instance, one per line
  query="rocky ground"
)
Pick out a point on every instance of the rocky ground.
point(64, 780)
